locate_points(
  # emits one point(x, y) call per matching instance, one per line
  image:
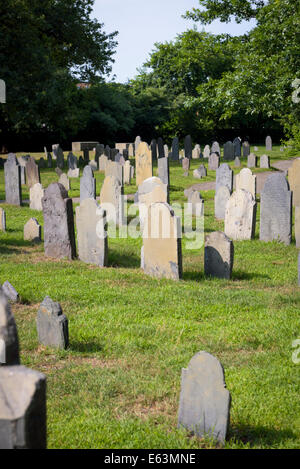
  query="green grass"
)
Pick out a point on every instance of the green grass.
point(118, 384)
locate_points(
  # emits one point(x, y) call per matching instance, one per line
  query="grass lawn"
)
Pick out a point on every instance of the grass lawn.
point(118, 384)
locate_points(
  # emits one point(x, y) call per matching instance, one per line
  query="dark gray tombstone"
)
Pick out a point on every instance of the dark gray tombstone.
point(163, 170)
point(252, 161)
point(246, 149)
point(10, 292)
point(52, 325)
point(276, 210)
point(218, 255)
point(99, 151)
point(72, 161)
point(229, 151)
point(49, 160)
point(107, 151)
point(22, 163)
point(12, 174)
point(160, 148)
point(188, 147)
point(87, 184)
point(59, 236)
point(32, 173)
point(22, 408)
point(60, 162)
point(86, 155)
point(204, 407)
point(175, 149)
point(153, 147)
point(9, 342)
point(224, 177)
point(237, 147)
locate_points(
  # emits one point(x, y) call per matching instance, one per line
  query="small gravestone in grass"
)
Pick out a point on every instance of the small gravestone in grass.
point(268, 143)
point(237, 147)
point(143, 163)
point(213, 162)
point(237, 162)
point(204, 406)
point(188, 148)
point(52, 325)
point(185, 166)
point(9, 342)
point(195, 204)
point(218, 255)
point(196, 153)
point(175, 149)
point(252, 161)
point(221, 198)
point(264, 162)
point(224, 177)
point(163, 170)
point(246, 180)
point(12, 175)
point(36, 193)
point(229, 151)
point(2, 220)
point(240, 216)
point(32, 172)
point(215, 148)
point(246, 149)
point(87, 184)
point(112, 200)
point(64, 180)
point(32, 231)
point(206, 151)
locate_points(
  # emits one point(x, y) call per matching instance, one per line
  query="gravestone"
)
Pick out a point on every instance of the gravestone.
point(49, 160)
point(73, 173)
point(60, 162)
point(86, 156)
point(52, 325)
point(265, 162)
point(152, 190)
point(87, 184)
point(162, 243)
point(215, 148)
point(10, 292)
point(107, 151)
point(64, 180)
point(36, 193)
point(99, 151)
point(276, 210)
point(59, 237)
point(175, 149)
point(143, 163)
point(237, 147)
point(54, 150)
point(153, 147)
point(195, 204)
point(166, 151)
point(94, 165)
point(229, 151)
point(115, 169)
point(112, 200)
point(125, 155)
point(240, 216)
point(22, 408)
point(247, 181)
point(22, 163)
point(32, 231)
point(268, 143)
point(32, 172)
point(197, 174)
point(252, 161)
point(221, 198)
point(12, 175)
point(163, 170)
point(246, 149)
point(91, 233)
point(206, 151)
point(102, 162)
point(186, 166)
point(237, 162)
point(137, 142)
point(127, 172)
point(297, 226)
point(204, 406)
point(72, 161)
point(8, 334)
point(224, 177)
point(188, 147)
point(131, 150)
point(294, 181)
point(42, 163)
point(218, 255)
point(2, 220)
point(196, 153)
point(213, 162)
point(160, 148)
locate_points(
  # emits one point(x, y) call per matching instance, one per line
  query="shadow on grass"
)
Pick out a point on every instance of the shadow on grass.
point(85, 347)
point(129, 261)
point(260, 435)
point(239, 275)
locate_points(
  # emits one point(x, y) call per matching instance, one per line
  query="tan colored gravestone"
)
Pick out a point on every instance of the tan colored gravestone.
point(297, 226)
point(247, 181)
point(127, 172)
point(195, 204)
point(102, 162)
point(162, 243)
point(36, 193)
point(2, 220)
point(64, 180)
point(240, 216)
point(143, 163)
point(218, 255)
point(152, 190)
point(112, 200)
point(115, 169)
point(294, 181)
point(32, 231)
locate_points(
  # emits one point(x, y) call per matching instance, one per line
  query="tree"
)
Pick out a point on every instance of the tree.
point(224, 10)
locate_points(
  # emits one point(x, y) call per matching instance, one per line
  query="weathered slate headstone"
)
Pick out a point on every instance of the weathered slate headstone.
point(166, 150)
point(229, 151)
point(153, 148)
point(107, 151)
point(60, 162)
point(9, 353)
point(12, 174)
point(54, 150)
point(137, 143)
point(160, 148)
point(162, 243)
point(59, 237)
point(41, 163)
point(114, 169)
point(218, 255)
point(213, 162)
point(240, 216)
point(268, 143)
point(72, 161)
point(185, 166)
point(10, 292)
point(188, 147)
point(22, 408)
point(91, 233)
point(265, 162)
point(73, 173)
point(143, 163)
point(204, 406)
point(246, 180)
point(221, 198)
point(112, 200)
point(206, 151)
point(163, 170)
point(22, 163)
point(246, 149)
point(237, 162)
point(131, 150)
point(32, 231)
point(224, 177)
point(64, 180)
point(127, 172)
point(195, 204)
point(276, 210)
point(49, 160)
point(87, 184)
point(252, 160)
point(52, 325)
point(99, 151)
point(294, 181)
point(32, 172)
point(175, 149)
point(2, 220)
point(215, 148)
point(237, 147)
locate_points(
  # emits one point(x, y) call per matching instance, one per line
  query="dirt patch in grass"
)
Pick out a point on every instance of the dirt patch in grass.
point(143, 409)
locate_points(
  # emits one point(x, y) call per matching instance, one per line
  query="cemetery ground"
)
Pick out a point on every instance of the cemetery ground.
point(118, 383)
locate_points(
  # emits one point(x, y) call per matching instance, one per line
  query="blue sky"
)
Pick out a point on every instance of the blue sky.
point(141, 23)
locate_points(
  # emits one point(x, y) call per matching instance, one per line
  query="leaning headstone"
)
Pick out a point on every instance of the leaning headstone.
point(162, 243)
point(64, 180)
point(163, 170)
point(185, 166)
point(195, 205)
point(237, 162)
point(215, 148)
point(22, 408)
point(87, 184)
point(12, 176)
point(32, 172)
point(32, 231)
point(59, 237)
point(213, 162)
point(221, 198)
point(224, 177)
point(204, 406)
point(237, 147)
point(294, 181)
point(36, 193)
point(276, 210)
point(206, 151)
point(246, 149)
point(175, 149)
point(2, 220)
point(91, 233)
point(9, 342)
point(252, 161)
point(218, 255)
point(246, 180)
point(10, 292)
point(268, 143)
point(188, 148)
point(265, 162)
point(143, 163)
point(240, 216)
point(112, 200)
point(229, 151)
point(52, 325)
